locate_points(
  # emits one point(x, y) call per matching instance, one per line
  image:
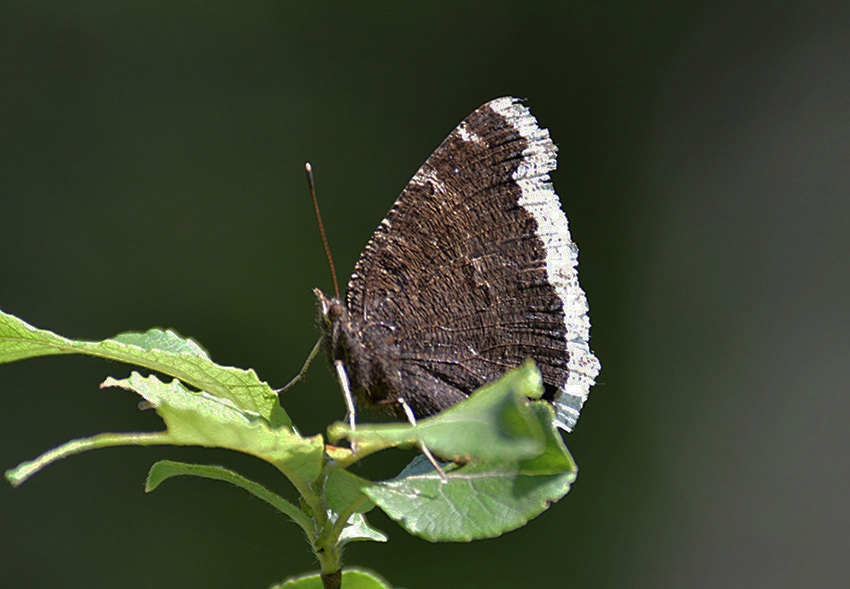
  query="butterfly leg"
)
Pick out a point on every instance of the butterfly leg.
point(412, 419)
point(342, 377)
point(313, 353)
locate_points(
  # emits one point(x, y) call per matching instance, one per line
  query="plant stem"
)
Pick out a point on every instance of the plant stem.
point(330, 558)
point(326, 540)
point(332, 580)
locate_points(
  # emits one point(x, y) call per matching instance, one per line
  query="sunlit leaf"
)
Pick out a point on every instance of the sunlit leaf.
point(160, 350)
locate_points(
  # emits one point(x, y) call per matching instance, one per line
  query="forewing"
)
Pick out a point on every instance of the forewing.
point(473, 270)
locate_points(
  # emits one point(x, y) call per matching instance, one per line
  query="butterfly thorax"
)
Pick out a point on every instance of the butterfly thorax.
point(371, 366)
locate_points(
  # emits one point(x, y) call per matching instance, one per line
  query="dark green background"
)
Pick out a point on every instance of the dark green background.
point(151, 174)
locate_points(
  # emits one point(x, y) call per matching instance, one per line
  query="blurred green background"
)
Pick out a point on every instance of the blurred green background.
point(151, 174)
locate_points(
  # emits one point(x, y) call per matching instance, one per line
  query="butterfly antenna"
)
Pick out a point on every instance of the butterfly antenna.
point(309, 169)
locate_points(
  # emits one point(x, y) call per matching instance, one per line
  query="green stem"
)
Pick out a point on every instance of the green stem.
point(330, 560)
point(326, 544)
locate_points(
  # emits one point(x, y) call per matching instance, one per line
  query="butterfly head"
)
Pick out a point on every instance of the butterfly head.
point(332, 312)
point(342, 342)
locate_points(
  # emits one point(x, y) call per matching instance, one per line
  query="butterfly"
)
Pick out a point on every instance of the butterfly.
point(472, 272)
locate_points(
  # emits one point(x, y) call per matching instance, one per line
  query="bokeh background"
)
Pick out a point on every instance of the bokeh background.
point(151, 174)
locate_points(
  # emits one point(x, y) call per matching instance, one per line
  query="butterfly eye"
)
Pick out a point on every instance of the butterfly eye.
point(335, 310)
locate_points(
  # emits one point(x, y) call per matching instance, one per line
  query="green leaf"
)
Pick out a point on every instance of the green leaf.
point(496, 424)
point(358, 529)
point(18, 475)
point(478, 500)
point(165, 341)
point(166, 469)
point(515, 463)
point(344, 492)
point(346, 501)
point(352, 578)
point(198, 418)
point(163, 351)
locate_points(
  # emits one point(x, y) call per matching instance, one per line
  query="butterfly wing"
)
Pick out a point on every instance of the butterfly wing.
point(473, 270)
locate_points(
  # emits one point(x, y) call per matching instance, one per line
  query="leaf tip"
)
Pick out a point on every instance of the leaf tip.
point(18, 476)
